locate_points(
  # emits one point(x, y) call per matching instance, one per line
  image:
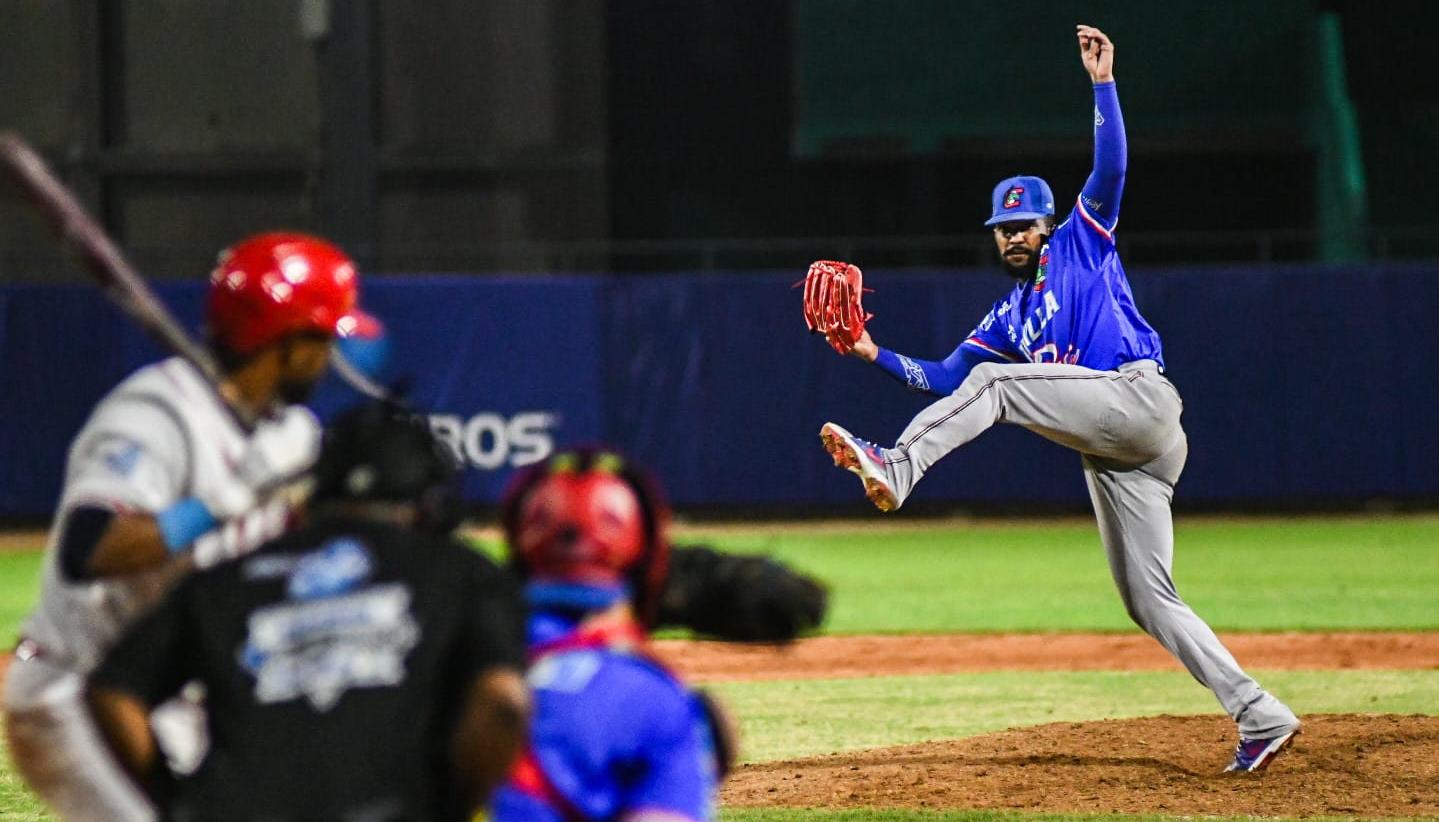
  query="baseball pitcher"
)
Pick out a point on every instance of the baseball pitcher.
point(1067, 355)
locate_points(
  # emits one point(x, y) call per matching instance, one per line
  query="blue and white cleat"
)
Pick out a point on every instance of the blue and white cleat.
point(1255, 754)
point(862, 458)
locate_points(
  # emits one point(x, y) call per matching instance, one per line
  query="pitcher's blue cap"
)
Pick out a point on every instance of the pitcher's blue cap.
point(1021, 198)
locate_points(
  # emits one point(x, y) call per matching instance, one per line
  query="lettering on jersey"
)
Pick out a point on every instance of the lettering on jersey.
point(1036, 322)
point(914, 375)
point(1012, 197)
point(488, 441)
point(988, 321)
point(1090, 203)
point(1049, 353)
point(319, 649)
point(243, 534)
point(566, 673)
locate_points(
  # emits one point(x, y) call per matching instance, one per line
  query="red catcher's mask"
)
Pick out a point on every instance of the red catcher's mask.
point(583, 528)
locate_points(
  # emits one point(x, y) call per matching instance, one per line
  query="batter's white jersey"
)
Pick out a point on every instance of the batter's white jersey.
point(159, 437)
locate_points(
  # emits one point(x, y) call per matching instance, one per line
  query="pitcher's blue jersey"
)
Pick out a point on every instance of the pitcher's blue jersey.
point(612, 733)
point(1077, 309)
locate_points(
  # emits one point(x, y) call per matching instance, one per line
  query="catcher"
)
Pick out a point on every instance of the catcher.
point(615, 735)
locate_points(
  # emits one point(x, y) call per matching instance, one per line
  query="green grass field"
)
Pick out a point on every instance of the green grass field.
point(19, 585)
point(786, 720)
point(1263, 574)
point(1251, 575)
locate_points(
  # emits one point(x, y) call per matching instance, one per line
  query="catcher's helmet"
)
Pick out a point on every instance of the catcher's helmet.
point(379, 452)
point(269, 286)
point(588, 521)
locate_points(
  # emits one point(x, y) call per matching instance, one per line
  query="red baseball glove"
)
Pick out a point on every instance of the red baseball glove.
point(832, 303)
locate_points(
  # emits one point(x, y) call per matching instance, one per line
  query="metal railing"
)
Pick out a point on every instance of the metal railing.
point(729, 254)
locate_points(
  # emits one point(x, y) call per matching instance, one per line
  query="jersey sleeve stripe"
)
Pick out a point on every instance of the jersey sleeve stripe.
point(976, 342)
point(1093, 223)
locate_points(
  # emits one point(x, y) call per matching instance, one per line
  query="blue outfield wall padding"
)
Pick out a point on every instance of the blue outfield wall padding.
point(1300, 382)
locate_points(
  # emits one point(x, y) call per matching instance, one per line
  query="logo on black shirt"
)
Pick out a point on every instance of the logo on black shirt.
point(333, 634)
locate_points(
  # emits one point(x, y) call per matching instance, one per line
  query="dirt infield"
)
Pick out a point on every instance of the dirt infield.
point(1343, 764)
point(863, 656)
point(1370, 765)
point(17, 541)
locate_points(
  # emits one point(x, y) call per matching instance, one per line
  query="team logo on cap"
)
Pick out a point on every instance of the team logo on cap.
point(1011, 199)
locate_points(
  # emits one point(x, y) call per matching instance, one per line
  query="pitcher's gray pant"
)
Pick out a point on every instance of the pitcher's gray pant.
point(1125, 424)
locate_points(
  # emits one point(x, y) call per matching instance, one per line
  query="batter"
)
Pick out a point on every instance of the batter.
point(165, 477)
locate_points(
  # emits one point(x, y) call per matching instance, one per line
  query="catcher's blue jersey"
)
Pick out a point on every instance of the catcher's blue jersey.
point(1077, 309)
point(612, 732)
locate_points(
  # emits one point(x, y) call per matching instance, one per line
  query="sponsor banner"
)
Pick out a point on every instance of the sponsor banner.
point(506, 368)
point(711, 380)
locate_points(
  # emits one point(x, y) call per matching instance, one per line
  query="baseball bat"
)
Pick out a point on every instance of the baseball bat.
point(105, 262)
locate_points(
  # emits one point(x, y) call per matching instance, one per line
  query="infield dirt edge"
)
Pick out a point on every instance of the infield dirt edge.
point(852, 656)
point(1371, 765)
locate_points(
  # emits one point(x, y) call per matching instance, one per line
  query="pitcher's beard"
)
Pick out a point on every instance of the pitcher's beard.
point(1022, 271)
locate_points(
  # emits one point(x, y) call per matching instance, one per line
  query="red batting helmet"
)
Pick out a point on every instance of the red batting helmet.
point(588, 518)
point(269, 286)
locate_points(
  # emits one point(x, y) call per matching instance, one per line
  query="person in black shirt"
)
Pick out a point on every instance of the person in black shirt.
point(364, 667)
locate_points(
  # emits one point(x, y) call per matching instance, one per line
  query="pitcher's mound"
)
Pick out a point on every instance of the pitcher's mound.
point(1368, 764)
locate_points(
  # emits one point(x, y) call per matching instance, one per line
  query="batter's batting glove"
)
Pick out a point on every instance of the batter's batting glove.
point(832, 303)
point(743, 598)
